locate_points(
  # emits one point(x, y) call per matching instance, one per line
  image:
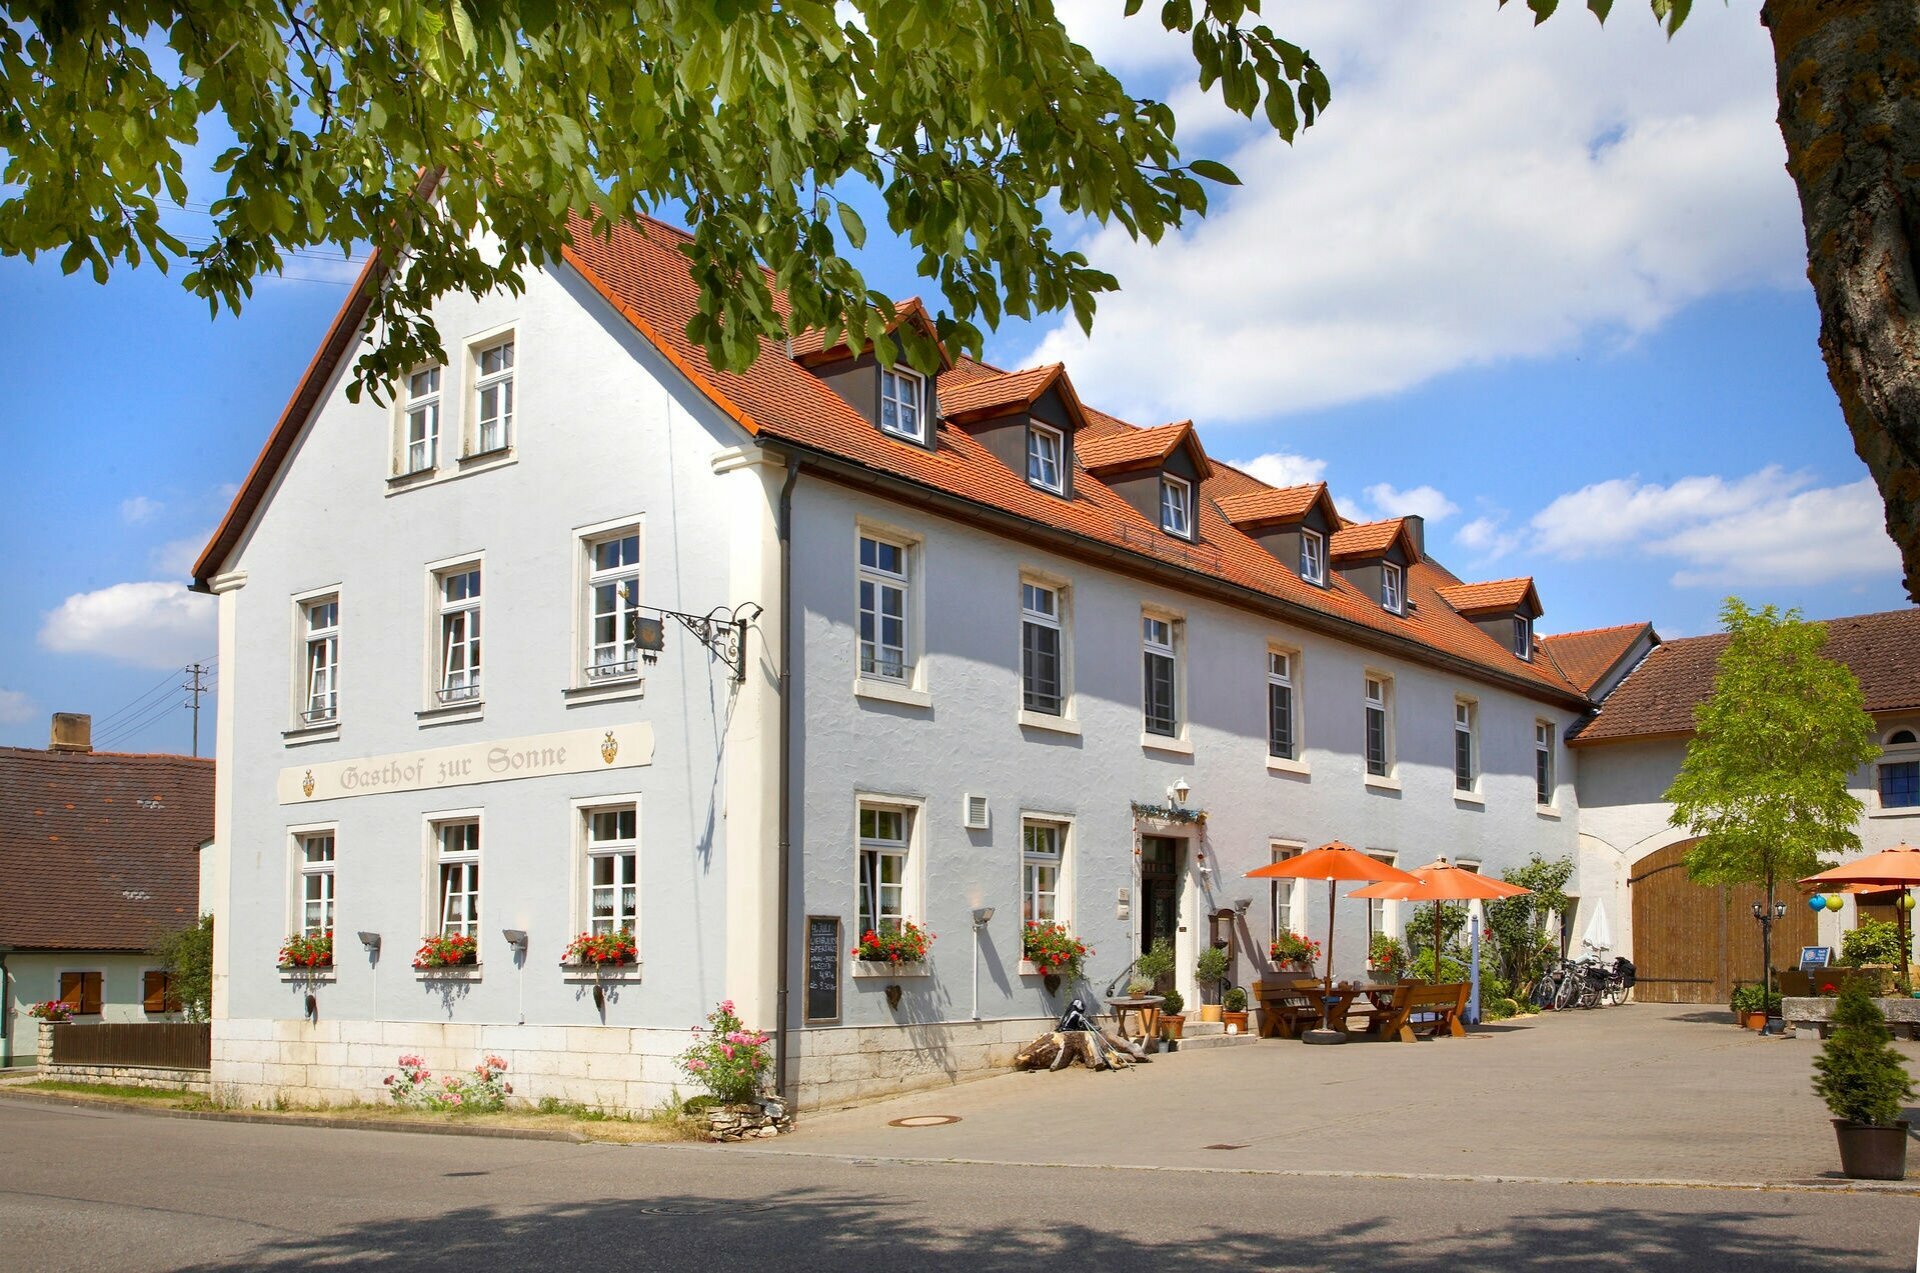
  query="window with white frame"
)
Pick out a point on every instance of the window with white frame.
point(1045, 450)
point(1282, 739)
point(1280, 892)
point(1176, 506)
point(1523, 636)
point(882, 580)
point(321, 701)
point(1898, 773)
point(1466, 744)
point(1042, 857)
point(1542, 762)
point(493, 392)
point(613, 605)
point(884, 830)
point(1393, 588)
point(1042, 687)
point(457, 595)
point(423, 420)
point(1379, 739)
point(1379, 917)
point(456, 854)
point(1313, 555)
point(1161, 707)
point(315, 851)
point(613, 866)
point(902, 404)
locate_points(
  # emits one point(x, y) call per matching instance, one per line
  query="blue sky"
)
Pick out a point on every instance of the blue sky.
point(1545, 286)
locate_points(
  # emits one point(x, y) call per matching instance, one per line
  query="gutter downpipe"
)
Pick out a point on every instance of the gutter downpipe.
point(6, 1009)
point(782, 924)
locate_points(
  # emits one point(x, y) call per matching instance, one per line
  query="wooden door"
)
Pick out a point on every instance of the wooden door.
point(1692, 942)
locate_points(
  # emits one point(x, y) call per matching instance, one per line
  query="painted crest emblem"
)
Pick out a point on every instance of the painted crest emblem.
point(306, 784)
point(609, 747)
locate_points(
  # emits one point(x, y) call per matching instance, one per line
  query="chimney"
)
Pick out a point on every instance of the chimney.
point(1416, 531)
point(72, 731)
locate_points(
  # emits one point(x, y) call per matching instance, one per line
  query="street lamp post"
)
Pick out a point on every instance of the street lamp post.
point(1767, 914)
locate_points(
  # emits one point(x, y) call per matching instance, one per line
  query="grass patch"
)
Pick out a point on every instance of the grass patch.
point(173, 1096)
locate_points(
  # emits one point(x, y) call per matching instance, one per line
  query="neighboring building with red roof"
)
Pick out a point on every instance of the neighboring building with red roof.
point(100, 855)
point(988, 629)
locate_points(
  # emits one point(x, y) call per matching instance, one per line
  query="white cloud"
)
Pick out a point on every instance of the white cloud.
point(1279, 468)
point(1385, 500)
point(15, 707)
point(1622, 510)
point(177, 556)
point(151, 624)
point(1487, 537)
point(1480, 190)
point(139, 509)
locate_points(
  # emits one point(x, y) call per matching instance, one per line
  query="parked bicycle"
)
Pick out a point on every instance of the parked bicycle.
point(1584, 983)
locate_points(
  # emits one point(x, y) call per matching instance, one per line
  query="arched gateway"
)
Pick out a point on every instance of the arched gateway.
point(1692, 942)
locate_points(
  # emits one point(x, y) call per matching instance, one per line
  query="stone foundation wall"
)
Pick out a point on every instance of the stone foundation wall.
point(131, 1076)
point(838, 1065)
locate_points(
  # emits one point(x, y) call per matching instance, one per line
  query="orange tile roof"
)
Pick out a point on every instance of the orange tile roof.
point(812, 342)
point(642, 273)
point(1370, 539)
point(1274, 505)
point(1586, 657)
point(1499, 594)
point(995, 394)
point(1137, 448)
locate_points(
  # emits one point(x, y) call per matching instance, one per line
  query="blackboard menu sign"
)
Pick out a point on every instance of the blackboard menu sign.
point(823, 967)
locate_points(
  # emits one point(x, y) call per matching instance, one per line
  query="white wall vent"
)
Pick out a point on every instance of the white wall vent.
point(974, 812)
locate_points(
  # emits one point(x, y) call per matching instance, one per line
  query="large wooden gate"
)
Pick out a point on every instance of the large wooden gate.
point(1691, 943)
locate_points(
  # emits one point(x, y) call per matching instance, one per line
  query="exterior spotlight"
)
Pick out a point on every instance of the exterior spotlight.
point(1241, 905)
point(516, 937)
point(371, 941)
point(982, 916)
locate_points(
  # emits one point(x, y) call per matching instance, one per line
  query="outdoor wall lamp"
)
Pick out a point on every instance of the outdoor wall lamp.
point(982, 916)
point(516, 938)
point(372, 942)
point(1179, 792)
point(1241, 905)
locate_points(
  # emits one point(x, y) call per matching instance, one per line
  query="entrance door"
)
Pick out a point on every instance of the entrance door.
point(1160, 872)
point(1693, 942)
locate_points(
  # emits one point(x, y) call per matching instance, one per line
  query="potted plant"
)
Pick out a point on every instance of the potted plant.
point(1751, 1005)
point(1864, 1082)
point(1054, 952)
point(53, 1012)
point(602, 949)
point(1173, 1020)
point(1157, 964)
point(1294, 952)
point(307, 951)
point(906, 944)
point(1233, 1010)
point(1211, 969)
point(448, 950)
point(1387, 957)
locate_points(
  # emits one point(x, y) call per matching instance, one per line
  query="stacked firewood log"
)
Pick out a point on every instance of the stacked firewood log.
point(1095, 1049)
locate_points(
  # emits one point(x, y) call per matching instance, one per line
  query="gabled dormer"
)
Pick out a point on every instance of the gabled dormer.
point(1294, 523)
point(1158, 471)
point(1504, 609)
point(1375, 557)
point(876, 379)
point(1027, 419)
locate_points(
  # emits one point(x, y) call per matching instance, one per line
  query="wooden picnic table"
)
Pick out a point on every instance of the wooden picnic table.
point(1341, 1000)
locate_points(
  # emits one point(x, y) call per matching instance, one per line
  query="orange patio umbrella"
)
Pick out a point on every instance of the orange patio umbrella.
point(1332, 862)
point(1442, 881)
point(1898, 867)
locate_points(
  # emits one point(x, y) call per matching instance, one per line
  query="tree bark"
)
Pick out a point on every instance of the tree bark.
point(1849, 84)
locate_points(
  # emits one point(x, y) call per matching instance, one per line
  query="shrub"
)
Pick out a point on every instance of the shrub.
point(1294, 948)
point(1054, 950)
point(1749, 998)
point(1860, 1075)
point(726, 1058)
point(906, 944)
point(1453, 920)
point(1875, 941)
point(482, 1092)
point(602, 948)
point(1385, 954)
point(1157, 963)
point(447, 951)
point(1211, 966)
point(188, 953)
point(307, 950)
point(1451, 968)
point(1173, 1004)
point(1235, 1000)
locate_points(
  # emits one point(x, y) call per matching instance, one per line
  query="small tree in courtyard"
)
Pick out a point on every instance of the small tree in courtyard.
point(1764, 784)
point(188, 953)
point(1858, 1073)
point(1523, 946)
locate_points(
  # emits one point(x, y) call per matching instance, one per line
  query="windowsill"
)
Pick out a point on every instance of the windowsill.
point(327, 733)
point(480, 459)
point(451, 713)
point(1281, 765)
point(607, 691)
point(1379, 782)
point(1160, 742)
point(1468, 797)
point(881, 968)
point(890, 692)
point(1911, 811)
point(465, 466)
point(1029, 969)
point(602, 974)
point(458, 972)
point(326, 974)
point(1547, 811)
point(1054, 724)
point(419, 477)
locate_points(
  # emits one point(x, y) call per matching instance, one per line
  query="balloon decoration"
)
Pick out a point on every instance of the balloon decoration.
point(1835, 901)
point(1818, 901)
point(1904, 901)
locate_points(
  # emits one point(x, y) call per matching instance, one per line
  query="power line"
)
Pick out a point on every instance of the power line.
point(106, 722)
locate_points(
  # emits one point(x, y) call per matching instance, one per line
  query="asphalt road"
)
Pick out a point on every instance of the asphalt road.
point(105, 1190)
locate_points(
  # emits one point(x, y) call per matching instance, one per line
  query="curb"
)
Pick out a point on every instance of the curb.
point(295, 1120)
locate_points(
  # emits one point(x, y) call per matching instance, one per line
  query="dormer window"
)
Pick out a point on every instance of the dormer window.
point(1523, 636)
point(1176, 506)
point(1045, 447)
point(902, 399)
point(1313, 556)
point(1393, 588)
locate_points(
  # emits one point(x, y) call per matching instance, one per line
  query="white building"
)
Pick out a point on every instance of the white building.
point(993, 628)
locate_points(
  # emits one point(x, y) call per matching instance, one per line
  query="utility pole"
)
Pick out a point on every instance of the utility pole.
point(195, 687)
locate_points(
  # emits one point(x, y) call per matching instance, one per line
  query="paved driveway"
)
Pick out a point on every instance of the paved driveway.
point(1643, 1092)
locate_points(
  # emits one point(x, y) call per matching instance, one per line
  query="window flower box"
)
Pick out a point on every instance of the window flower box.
point(447, 950)
point(905, 944)
point(891, 969)
point(601, 950)
point(1049, 950)
point(307, 952)
point(52, 1012)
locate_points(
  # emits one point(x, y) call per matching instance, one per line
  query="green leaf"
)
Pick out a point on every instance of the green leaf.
point(1213, 171)
point(850, 222)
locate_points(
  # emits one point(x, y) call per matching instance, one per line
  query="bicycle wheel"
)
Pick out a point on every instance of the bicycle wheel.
point(1566, 993)
point(1615, 994)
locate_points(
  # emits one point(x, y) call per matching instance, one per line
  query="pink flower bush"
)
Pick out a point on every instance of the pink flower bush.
point(484, 1092)
point(726, 1058)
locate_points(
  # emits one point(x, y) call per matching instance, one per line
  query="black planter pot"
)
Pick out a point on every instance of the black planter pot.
point(1872, 1153)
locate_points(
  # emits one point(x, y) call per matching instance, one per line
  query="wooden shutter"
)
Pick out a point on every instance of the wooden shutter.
point(70, 989)
point(155, 994)
point(80, 991)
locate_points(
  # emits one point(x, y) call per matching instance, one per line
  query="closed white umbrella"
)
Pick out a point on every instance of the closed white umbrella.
point(1599, 934)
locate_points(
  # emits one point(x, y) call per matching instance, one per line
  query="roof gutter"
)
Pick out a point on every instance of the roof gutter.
point(893, 486)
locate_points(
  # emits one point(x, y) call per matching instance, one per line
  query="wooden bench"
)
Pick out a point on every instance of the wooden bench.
point(1417, 1008)
point(1289, 1001)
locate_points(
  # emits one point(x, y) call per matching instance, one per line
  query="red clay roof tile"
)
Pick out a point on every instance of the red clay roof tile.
point(1370, 539)
point(1495, 595)
point(1588, 656)
point(1274, 505)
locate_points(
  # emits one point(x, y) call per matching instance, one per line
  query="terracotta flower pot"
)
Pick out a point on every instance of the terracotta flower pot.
point(1872, 1153)
point(1173, 1024)
point(1754, 1021)
point(1209, 1012)
point(1236, 1022)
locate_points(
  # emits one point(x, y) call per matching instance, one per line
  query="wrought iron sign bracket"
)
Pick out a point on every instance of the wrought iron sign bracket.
point(723, 631)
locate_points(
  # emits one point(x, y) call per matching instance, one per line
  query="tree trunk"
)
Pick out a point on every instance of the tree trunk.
point(1849, 83)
